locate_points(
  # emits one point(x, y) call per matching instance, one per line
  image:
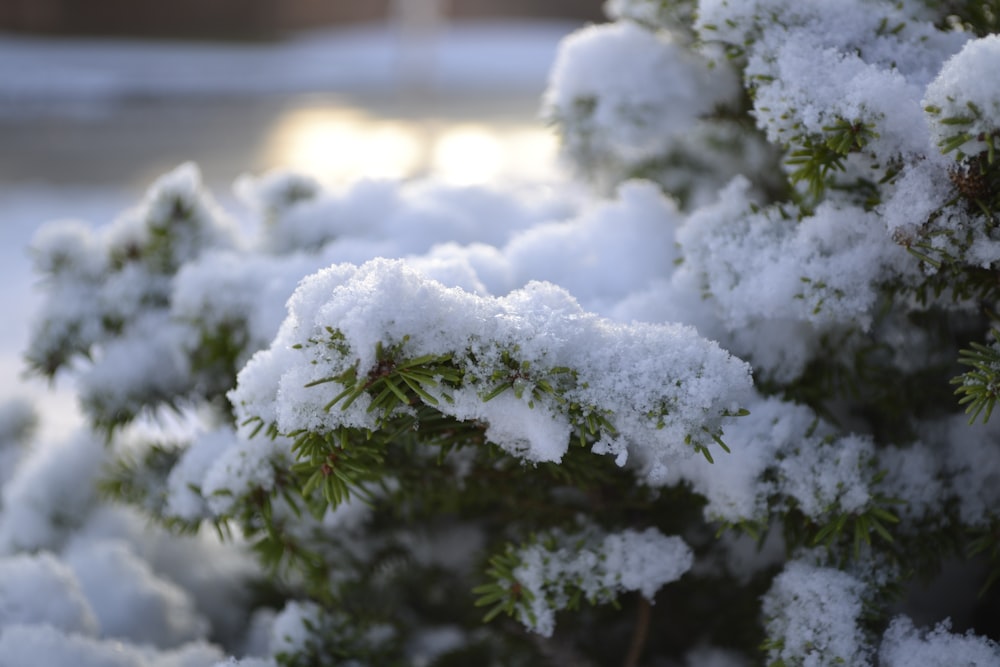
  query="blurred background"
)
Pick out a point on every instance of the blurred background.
point(382, 88)
point(98, 97)
point(255, 19)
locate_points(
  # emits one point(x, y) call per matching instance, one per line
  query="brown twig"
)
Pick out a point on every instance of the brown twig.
point(638, 642)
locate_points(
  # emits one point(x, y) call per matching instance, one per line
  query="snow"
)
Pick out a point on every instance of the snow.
point(610, 73)
point(18, 422)
point(49, 495)
point(37, 74)
point(25, 645)
point(962, 90)
point(649, 311)
point(289, 631)
point(657, 384)
point(42, 590)
point(816, 614)
point(903, 644)
point(100, 574)
point(599, 565)
point(140, 607)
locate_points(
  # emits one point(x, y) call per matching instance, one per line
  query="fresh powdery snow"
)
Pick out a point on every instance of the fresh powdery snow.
point(658, 384)
point(625, 70)
point(692, 328)
point(608, 565)
point(903, 645)
point(815, 614)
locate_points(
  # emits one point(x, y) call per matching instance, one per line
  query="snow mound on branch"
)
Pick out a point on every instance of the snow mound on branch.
point(661, 386)
point(815, 614)
point(903, 645)
point(38, 589)
point(605, 74)
point(50, 495)
point(601, 566)
point(966, 89)
point(130, 601)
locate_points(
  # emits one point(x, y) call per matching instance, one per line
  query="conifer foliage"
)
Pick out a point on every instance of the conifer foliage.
point(735, 408)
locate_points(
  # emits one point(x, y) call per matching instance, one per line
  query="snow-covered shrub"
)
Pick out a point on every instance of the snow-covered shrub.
point(412, 400)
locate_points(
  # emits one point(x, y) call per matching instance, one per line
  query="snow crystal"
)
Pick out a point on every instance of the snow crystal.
point(64, 324)
point(823, 269)
point(903, 645)
point(643, 561)
point(966, 89)
point(534, 433)
point(814, 66)
point(815, 614)
point(796, 104)
point(484, 269)
point(819, 478)
point(602, 568)
point(890, 35)
point(241, 468)
point(736, 486)
point(781, 450)
point(620, 370)
point(921, 190)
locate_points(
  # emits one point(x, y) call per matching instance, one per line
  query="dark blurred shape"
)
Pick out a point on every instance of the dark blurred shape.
point(247, 19)
point(572, 9)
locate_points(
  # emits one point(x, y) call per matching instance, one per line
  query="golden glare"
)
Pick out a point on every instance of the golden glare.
point(467, 154)
point(533, 153)
point(338, 145)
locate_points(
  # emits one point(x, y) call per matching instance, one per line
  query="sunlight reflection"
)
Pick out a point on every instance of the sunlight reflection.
point(338, 145)
point(467, 154)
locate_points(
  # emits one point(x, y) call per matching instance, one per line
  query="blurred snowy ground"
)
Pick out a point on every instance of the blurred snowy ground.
point(85, 125)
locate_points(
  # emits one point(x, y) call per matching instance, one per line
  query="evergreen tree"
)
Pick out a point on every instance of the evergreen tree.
point(730, 411)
